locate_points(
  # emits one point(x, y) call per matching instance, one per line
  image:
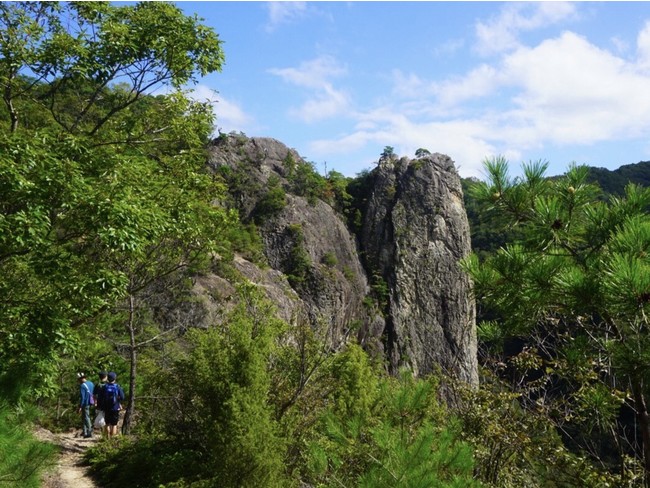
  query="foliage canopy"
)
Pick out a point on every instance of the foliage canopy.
point(576, 285)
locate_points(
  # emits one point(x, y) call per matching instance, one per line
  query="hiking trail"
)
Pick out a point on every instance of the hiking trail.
point(69, 471)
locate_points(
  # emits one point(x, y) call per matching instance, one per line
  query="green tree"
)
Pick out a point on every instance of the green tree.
point(403, 440)
point(227, 417)
point(305, 180)
point(298, 263)
point(23, 457)
point(337, 192)
point(141, 47)
point(388, 153)
point(578, 275)
point(488, 229)
point(103, 185)
point(516, 446)
point(272, 202)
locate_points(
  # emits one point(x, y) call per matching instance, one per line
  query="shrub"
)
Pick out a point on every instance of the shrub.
point(227, 417)
point(299, 262)
point(329, 259)
point(337, 194)
point(305, 180)
point(401, 437)
point(272, 202)
point(246, 240)
point(514, 447)
point(149, 461)
point(23, 457)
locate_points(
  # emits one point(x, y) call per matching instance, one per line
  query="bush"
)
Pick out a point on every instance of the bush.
point(245, 239)
point(336, 193)
point(272, 202)
point(150, 461)
point(305, 180)
point(23, 457)
point(404, 438)
point(225, 414)
point(515, 447)
point(217, 427)
point(329, 259)
point(299, 262)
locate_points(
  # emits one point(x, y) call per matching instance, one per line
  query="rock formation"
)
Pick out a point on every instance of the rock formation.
point(413, 232)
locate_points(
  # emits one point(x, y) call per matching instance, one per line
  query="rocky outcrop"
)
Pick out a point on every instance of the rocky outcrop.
point(414, 234)
point(396, 285)
point(305, 238)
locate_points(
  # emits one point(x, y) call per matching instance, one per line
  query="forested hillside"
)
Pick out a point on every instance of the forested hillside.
point(127, 245)
point(614, 182)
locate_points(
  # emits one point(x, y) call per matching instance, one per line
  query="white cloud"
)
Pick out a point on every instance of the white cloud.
point(620, 45)
point(328, 103)
point(311, 74)
point(324, 100)
point(449, 47)
point(501, 33)
point(230, 116)
point(478, 83)
point(643, 47)
point(407, 85)
point(563, 91)
point(598, 98)
point(284, 12)
point(463, 140)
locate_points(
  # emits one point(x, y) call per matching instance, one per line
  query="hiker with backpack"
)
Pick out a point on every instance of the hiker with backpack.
point(86, 399)
point(111, 396)
point(100, 422)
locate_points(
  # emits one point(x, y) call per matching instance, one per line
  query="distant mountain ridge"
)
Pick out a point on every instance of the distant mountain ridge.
point(614, 181)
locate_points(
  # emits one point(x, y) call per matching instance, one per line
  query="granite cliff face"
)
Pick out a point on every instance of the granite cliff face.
point(413, 230)
point(414, 233)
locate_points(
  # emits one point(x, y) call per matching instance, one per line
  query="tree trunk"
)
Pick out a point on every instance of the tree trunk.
point(644, 424)
point(8, 99)
point(130, 408)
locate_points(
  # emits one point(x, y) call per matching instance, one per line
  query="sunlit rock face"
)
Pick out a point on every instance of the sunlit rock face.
point(413, 232)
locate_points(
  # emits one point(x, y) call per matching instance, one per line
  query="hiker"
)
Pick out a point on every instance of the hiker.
point(100, 422)
point(112, 395)
point(86, 388)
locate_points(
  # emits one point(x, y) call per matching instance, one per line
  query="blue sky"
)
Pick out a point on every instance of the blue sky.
point(339, 81)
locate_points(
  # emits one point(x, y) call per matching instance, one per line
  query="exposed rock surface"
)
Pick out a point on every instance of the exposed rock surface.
point(335, 285)
point(415, 231)
point(332, 287)
point(413, 234)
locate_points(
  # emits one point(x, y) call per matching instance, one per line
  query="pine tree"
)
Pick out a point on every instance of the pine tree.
point(577, 279)
point(405, 440)
point(225, 388)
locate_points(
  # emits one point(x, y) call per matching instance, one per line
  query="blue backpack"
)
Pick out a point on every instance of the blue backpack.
point(111, 397)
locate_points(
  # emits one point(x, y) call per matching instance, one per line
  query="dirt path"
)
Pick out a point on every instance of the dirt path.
point(69, 471)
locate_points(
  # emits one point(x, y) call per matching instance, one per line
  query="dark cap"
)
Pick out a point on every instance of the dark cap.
point(111, 376)
point(102, 374)
point(81, 375)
